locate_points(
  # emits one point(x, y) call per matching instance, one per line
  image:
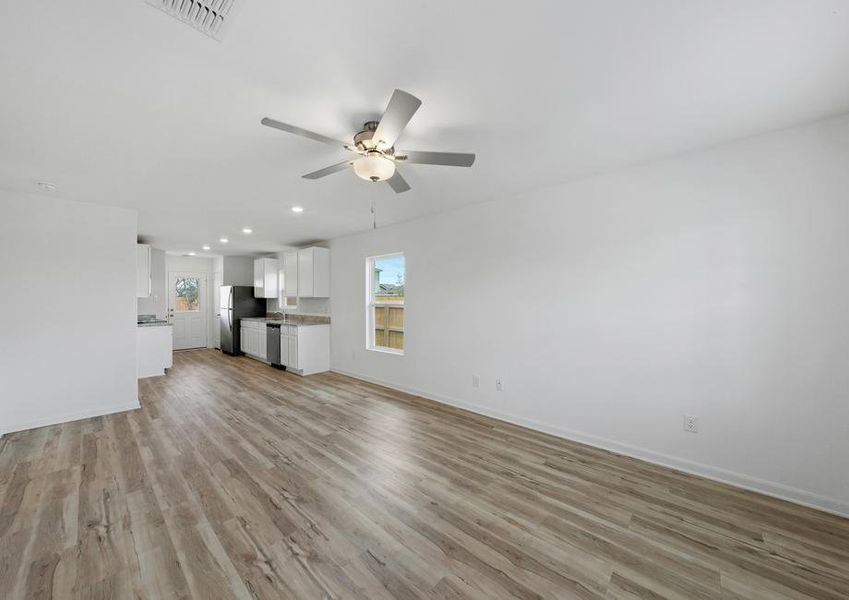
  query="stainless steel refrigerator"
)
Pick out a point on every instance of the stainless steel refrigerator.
point(236, 303)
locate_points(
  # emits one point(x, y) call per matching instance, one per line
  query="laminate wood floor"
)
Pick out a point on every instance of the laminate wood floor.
point(238, 481)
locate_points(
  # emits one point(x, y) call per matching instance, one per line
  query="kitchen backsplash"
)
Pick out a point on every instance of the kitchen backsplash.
point(306, 319)
point(306, 306)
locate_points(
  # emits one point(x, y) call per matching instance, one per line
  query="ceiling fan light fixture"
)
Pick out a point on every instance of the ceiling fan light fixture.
point(374, 167)
point(374, 146)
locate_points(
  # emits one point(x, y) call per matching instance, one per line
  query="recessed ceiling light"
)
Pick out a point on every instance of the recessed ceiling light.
point(47, 186)
point(223, 240)
point(206, 247)
point(247, 230)
point(297, 209)
point(192, 253)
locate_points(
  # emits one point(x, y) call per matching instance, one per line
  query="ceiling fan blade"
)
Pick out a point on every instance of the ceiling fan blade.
point(328, 170)
point(401, 108)
point(398, 183)
point(448, 159)
point(302, 132)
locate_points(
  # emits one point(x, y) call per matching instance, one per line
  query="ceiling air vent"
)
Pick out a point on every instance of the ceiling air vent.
point(207, 16)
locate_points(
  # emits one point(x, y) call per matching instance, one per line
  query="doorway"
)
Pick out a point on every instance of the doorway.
point(187, 309)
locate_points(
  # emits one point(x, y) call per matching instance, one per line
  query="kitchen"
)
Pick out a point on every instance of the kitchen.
point(273, 309)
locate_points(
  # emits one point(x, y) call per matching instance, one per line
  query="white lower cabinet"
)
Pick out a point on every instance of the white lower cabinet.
point(154, 350)
point(292, 354)
point(253, 342)
point(305, 350)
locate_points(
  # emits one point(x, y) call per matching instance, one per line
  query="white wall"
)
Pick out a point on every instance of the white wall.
point(157, 302)
point(67, 310)
point(238, 270)
point(713, 284)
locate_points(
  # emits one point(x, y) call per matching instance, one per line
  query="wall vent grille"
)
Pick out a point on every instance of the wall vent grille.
point(207, 16)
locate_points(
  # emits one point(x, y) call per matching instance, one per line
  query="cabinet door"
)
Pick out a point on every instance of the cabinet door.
point(290, 274)
point(243, 341)
point(270, 278)
point(142, 270)
point(284, 347)
point(262, 340)
point(259, 279)
point(305, 273)
point(321, 272)
point(293, 349)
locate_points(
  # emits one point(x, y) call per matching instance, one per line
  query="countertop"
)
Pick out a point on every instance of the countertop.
point(154, 324)
point(281, 322)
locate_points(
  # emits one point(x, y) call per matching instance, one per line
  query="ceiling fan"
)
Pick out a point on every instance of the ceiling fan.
point(375, 145)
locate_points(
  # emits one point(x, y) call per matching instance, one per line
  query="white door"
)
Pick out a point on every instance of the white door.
point(292, 362)
point(284, 346)
point(305, 273)
point(290, 274)
point(187, 309)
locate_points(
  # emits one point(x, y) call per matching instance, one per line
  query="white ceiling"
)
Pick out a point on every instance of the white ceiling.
point(117, 103)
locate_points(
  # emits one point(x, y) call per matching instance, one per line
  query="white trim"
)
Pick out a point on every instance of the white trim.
point(385, 350)
point(371, 305)
point(74, 416)
point(780, 491)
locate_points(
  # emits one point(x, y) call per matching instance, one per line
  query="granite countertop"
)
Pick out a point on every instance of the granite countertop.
point(299, 322)
point(154, 324)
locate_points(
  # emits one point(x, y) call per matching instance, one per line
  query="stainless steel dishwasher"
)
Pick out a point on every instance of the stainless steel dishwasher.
point(272, 344)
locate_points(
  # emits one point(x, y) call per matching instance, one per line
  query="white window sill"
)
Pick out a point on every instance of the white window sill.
point(386, 350)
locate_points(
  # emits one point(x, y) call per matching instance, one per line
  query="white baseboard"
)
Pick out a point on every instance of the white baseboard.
point(768, 488)
point(74, 416)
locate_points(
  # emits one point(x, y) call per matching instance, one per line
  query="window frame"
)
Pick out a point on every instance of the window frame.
point(371, 304)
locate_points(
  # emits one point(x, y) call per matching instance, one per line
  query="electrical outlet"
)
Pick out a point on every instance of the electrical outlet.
point(476, 381)
point(691, 424)
point(499, 385)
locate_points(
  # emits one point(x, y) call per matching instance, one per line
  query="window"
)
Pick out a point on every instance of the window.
point(385, 276)
point(283, 301)
point(186, 291)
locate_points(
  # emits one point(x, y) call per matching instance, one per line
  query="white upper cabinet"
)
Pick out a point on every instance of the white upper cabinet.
point(142, 270)
point(313, 273)
point(290, 275)
point(265, 278)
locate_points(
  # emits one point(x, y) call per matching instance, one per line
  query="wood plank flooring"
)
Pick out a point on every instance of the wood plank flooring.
point(238, 481)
